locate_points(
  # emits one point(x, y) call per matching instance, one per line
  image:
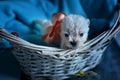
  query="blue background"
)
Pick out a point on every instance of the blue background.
point(19, 16)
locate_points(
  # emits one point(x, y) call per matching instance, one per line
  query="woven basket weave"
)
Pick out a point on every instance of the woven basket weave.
point(53, 63)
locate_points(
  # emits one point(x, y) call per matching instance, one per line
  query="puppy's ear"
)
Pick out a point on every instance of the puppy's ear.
point(88, 21)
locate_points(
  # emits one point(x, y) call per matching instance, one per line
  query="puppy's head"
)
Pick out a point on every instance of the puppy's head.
point(74, 31)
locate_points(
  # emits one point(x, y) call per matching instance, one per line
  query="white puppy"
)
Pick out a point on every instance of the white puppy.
point(74, 31)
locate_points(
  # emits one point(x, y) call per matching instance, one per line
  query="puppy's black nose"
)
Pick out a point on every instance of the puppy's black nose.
point(73, 43)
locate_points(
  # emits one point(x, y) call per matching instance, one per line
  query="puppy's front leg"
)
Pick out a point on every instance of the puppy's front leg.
point(62, 45)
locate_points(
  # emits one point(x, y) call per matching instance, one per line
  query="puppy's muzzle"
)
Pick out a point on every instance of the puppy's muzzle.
point(73, 43)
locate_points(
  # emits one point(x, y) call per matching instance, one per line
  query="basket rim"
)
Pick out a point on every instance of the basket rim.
point(24, 43)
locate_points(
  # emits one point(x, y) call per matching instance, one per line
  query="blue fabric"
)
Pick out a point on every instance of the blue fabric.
point(19, 15)
point(9, 67)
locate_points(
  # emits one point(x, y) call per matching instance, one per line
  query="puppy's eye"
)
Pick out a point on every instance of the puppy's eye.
point(81, 34)
point(66, 34)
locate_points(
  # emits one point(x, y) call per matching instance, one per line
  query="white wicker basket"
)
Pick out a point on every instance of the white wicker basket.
point(53, 63)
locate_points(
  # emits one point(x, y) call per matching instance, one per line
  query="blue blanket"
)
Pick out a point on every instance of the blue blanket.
point(19, 15)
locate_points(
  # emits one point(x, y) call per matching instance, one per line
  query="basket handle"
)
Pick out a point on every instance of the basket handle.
point(11, 38)
point(6, 35)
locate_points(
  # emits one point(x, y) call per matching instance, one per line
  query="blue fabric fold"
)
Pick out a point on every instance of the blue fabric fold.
point(19, 15)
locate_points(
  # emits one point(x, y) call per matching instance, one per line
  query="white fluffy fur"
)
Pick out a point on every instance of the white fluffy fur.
point(73, 26)
point(44, 23)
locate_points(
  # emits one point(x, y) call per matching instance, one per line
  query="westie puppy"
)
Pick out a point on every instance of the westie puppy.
point(70, 32)
point(74, 31)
